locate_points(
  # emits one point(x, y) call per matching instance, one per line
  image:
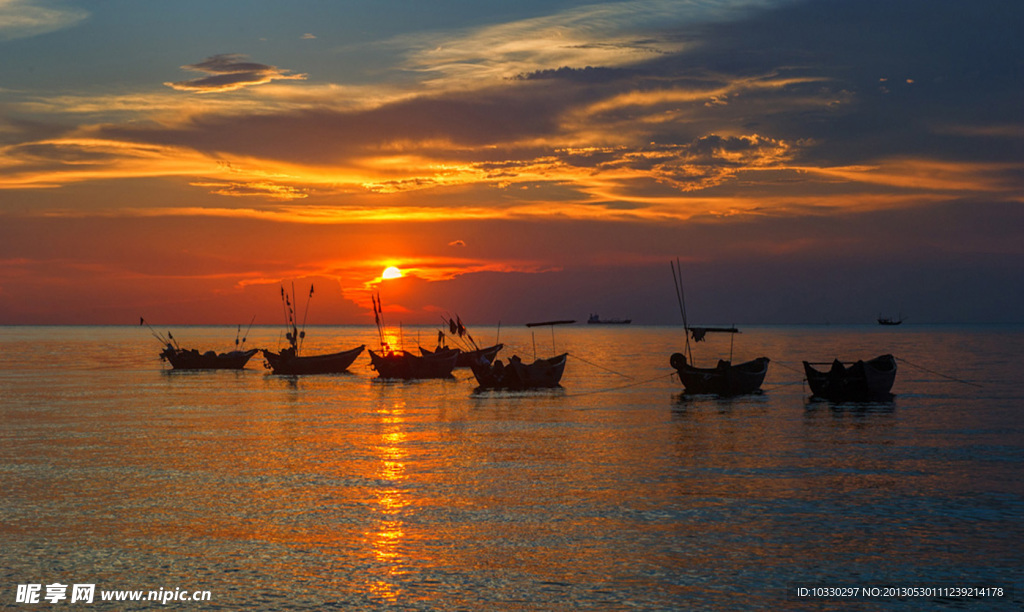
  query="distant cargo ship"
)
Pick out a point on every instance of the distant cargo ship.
point(596, 320)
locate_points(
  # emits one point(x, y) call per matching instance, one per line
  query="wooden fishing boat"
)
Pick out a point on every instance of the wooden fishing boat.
point(288, 363)
point(467, 358)
point(542, 373)
point(858, 381)
point(192, 359)
point(407, 366)
point(724, 379)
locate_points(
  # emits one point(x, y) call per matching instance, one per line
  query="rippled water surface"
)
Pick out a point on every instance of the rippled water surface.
point(614, 492)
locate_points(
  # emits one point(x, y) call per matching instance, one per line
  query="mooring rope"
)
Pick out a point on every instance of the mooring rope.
point(959, 380)
point(782, 364)
point(575, 356)
point(635, 384)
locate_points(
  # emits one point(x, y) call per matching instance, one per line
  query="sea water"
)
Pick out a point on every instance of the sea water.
point(616, 491)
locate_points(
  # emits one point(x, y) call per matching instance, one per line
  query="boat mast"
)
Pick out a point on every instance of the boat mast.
point(378, 318)
point(677, 273)
point(309, 298)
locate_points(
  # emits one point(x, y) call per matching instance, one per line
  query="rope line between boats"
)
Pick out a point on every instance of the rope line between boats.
point(783, 365)
point(635, 384)
point(575, 356)
point(959, 380)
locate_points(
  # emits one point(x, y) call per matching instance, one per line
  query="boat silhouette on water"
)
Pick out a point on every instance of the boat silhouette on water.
point(396, 364)
point(192, 359)
point(407, 366)
point(596, 320)
point(859, 381)
point(889, 320)
point(470, 352)
point(541, 374)
point(466, 359)
point(725, 379)
point(290, 362)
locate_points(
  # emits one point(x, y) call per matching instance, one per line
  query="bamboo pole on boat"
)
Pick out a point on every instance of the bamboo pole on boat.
point(305, 316)
point(153, 331)
point(681, 298)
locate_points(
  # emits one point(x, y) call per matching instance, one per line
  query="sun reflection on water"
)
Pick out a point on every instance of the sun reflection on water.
point(386, 541)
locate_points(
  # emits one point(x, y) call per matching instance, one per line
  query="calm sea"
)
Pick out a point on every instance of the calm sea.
point(615, 492)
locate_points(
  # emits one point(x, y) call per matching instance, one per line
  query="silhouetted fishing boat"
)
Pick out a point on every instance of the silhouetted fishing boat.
point(889, 320)
point(725, 378)
point(465, 359)
point(403, 365)
point(407, 366)
point(596, 320)
point(290, 361)
point(853, 381)
point(192, 359)
point(542, 373)
point(469, 351)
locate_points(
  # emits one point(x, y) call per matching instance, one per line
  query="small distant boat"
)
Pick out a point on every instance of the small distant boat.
point(889, 320)
point(192, 359)
point(556, 322)
point(725, 379)
point(596, 320)
point(541, 374)
point(407, 366)
point(289, 364)
point(853, 382)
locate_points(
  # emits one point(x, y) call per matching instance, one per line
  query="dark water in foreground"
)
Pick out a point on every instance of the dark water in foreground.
point(612, 493)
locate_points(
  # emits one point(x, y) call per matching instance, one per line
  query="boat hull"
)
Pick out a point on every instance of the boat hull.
point(184, 359)
point(726, 379)
point(334, 363)
point(870, 380)
point(541, 374)
point(402, 365)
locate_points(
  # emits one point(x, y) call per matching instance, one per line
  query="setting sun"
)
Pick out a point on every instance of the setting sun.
point(391, 272)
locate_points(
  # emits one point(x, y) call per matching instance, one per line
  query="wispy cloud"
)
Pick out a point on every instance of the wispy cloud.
point(26, 18)
point(228, 72)
point(602, 34)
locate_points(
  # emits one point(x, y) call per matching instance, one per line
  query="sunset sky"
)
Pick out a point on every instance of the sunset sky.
point(807, 161)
